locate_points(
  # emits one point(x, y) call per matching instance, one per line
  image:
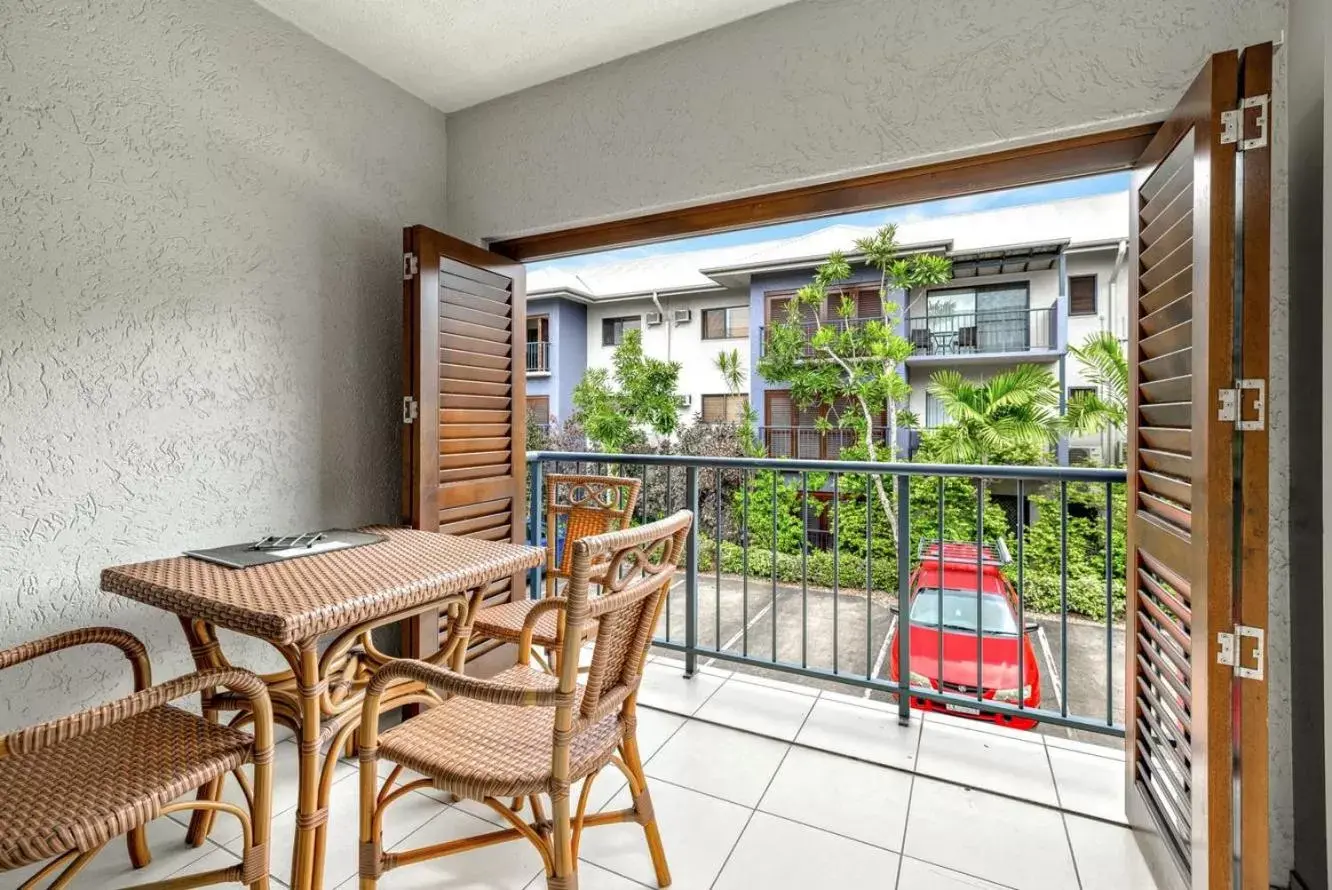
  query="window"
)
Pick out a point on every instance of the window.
point(935, 416)
point(724, 407)
point(612, 329)
point(1076, 391)
point(538, 409)
point(959, 611)
point(726, 323)
point(1082, 295)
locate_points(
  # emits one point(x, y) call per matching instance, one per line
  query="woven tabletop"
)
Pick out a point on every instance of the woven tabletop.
point(300, 599)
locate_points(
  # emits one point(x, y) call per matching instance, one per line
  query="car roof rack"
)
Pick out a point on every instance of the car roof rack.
point(964, 552)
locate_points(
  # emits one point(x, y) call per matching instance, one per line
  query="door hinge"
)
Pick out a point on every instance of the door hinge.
point(410, 409)
point(1229, 654)
point(1231, 404)
point(1246, 125)
point(409, 266)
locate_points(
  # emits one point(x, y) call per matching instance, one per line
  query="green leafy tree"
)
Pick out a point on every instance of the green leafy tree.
point(846, 359)
point(1014, 409)
point(638, 395)
point(1104, 364)
point(782, 529)
point(734, 375)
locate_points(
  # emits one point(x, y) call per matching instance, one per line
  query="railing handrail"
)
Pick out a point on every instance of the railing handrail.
point(975, 312)
point(969, 471)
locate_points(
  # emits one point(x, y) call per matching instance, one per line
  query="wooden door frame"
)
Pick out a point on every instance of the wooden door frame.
point(1108, 151)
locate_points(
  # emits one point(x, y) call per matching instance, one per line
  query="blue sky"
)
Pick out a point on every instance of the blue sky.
point(1072, 188)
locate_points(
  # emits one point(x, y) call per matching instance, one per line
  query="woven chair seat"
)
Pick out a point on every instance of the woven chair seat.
point(477, 749)
point(78, 794)
point(505, 622)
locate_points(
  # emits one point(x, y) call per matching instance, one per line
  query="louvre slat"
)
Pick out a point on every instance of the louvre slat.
point(1166, 648)
point(1162, 541)
point(464, 446)
point(472, 430)
point(457, 283)
point(1177, 163)
point(462, 474)
point(481, 523)
point(1164, 769)
point(465, 372)
point(467, 329)
point(1165, 208)
point(1168, 414)
point(474, 415)
point(1168, 267)
point(472, 273)
point(475, 360)
point(473, 316)
point(1171, 389)
point(1178, 632)
point(452, 297)
point(1165, 510)
point(1160, 671)
point(1178, 465)
point(1167, 316)
point(1171, 587)
point(1179, 440)
point(463, 401)
point(1170, 340)
point(474, 459)
point(1172, 364)
point(1180, 285)
point(1170, 713)
point(473, 344)
point(454, 494)
point(474, 509)
point(1171, 766)
point(1181, 492)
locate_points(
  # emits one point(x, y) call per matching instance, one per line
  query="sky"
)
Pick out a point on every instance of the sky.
point(1071, 188)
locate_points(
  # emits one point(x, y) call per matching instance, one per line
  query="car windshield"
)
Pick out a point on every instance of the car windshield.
point(959, 611)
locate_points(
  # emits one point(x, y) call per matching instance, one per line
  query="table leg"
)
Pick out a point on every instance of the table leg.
point(311, 812)
point(462, 637)
point(206, 651)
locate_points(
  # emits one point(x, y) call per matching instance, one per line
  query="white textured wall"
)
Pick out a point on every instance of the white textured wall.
point(200, 212)
point(825, 88)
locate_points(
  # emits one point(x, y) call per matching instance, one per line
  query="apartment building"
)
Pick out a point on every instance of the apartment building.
point(1028, 281)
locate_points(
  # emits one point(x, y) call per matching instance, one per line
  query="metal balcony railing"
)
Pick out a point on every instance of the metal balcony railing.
point(810, 443)
point(837, 324)
point(984, 332)
point(538, 355)
point(829, 615)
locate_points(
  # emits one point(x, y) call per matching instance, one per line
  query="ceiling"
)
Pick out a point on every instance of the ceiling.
point(457, 53)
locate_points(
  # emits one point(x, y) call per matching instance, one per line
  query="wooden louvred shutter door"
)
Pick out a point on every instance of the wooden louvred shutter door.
point(1184, 731)
point(464, 449)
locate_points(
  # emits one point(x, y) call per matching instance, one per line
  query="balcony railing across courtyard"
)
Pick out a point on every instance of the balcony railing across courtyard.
point(1011, 578)
point(983, 332)
point(812, 443)
point(538, 355)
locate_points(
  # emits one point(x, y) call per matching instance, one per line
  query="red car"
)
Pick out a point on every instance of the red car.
point(1001, 642)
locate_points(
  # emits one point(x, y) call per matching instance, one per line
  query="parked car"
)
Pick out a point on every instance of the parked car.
point(946, 650)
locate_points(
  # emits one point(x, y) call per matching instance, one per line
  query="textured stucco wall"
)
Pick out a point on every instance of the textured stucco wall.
point(821, 89)
point(200, 253)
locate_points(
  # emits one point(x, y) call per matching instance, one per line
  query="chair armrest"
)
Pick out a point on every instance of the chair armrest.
point(445, 680)
point(43, 735)
point(539, 608)
point(126, 642)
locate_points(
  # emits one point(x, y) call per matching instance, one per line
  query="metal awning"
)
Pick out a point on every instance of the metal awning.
point(1009, 260)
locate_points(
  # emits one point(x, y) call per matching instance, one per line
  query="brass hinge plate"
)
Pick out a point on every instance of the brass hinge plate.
point(1231, 404)
point(1230, 654)
point(1246, 125)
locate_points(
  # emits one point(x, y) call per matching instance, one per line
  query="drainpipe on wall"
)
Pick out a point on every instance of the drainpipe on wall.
point(1113, 316)
point(669, 323)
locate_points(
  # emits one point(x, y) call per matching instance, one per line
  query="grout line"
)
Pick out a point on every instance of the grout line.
point(958, 871)
point(1063, 820)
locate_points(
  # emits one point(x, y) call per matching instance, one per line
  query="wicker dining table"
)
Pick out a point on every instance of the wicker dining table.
point(319, 612)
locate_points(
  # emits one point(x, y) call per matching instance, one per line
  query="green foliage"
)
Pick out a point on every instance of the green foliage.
point(1042, 547)
point(1017, 408)
point(618, 409)
point(1103, 363)
point(785, 522)
point(758, 562)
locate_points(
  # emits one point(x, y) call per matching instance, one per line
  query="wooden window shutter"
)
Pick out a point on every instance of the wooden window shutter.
point(464, 448)
point(714, 409)
point(868, 304)
point(1192, 258)
point(1082, 295)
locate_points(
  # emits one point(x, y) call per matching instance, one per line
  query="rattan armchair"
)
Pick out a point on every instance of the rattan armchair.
point(576, 506)
point(527, 735)
point(71, 785)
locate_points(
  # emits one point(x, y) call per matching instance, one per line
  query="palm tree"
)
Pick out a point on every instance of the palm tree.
point(732, 370)
point(1015, 408)
point(1103, 363)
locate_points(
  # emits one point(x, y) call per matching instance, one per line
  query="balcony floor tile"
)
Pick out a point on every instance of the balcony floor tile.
point(864, 733)
point(918, 875)
point(777, 854)
point(1107, 855)
point(1089, 784)
point(993, 762)
point(666, 688)
point(760, 709)
point(726, 763)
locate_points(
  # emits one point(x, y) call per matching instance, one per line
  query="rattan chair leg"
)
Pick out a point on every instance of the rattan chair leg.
point(201, 823)
point(565, 876)
point(137, 842)
point(74, 868)
point(643, 809)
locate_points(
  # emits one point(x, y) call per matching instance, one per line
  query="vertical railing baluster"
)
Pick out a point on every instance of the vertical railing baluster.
point(869, 576)
point(744, 567)
point(980, 573)
point(1022, 603)
point(666, 503)
point(904, 599)
point(804, 569)
point(1109, 606)
point(717, 562)
point(938, 584)
point(837, 572)
point(1063, 598)
point(773, 565)
point(691, 574)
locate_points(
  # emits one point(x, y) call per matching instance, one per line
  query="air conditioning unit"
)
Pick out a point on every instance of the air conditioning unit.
point(653, 318)
point(683, 316)
point(1084, 455)
point(686, 400)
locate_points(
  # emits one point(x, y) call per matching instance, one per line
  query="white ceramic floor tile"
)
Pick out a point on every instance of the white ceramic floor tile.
point(1113, 752)
point(865, 733)
point(654, 728)
point(697, 832)
point(726, 763)
point(111, 868)
point(665, 688)
point(1023, 735)
point(1108, 857)
point(592, 877)
point(1000, 840)
point(507, 866)
point(986, 760)
point(747, 706)
point(917, 875)
point(777, 854)
point(859, 800)
point(342, 848)
point(1089, 784)
point(846, 698)
point(219, 858)
point(784, 685)
point(671, 659)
